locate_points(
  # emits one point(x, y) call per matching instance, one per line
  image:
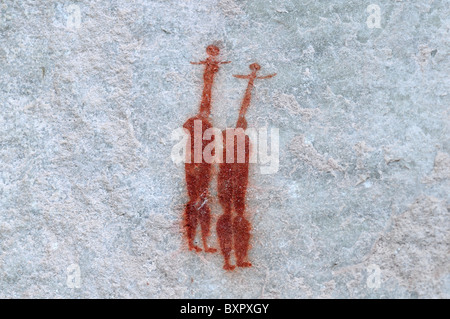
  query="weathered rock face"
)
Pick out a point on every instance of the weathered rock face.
point(91, 201)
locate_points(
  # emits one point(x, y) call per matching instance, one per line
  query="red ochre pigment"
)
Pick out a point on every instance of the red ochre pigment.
point(232, 188)
point(234, 231)
point(198, 175)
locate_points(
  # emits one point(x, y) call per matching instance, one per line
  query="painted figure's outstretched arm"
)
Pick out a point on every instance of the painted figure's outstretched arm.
point(242, 76)
point(266, 76)
point(206, 62)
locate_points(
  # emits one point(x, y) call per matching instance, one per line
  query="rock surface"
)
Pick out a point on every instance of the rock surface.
point(91, 202)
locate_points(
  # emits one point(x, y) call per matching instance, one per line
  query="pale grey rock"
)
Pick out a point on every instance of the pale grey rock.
point(92, 90)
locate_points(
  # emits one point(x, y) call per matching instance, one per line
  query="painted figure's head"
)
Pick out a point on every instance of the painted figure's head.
point(255, 67)
point(212, 50)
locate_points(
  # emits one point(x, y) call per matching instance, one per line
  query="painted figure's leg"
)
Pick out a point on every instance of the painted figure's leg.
point(224, 230)
point(191, 211)
point(191, 221)
point(198, 177)
point(241, 226)
point(205, 223)
point(224, 226)
point(240, 181)
point(241, 232)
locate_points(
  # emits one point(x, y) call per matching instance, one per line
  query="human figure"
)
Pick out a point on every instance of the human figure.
point(198, 175)
point(232, 185)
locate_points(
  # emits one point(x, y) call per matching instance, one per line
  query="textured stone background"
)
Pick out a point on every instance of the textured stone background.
point(86, 179)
